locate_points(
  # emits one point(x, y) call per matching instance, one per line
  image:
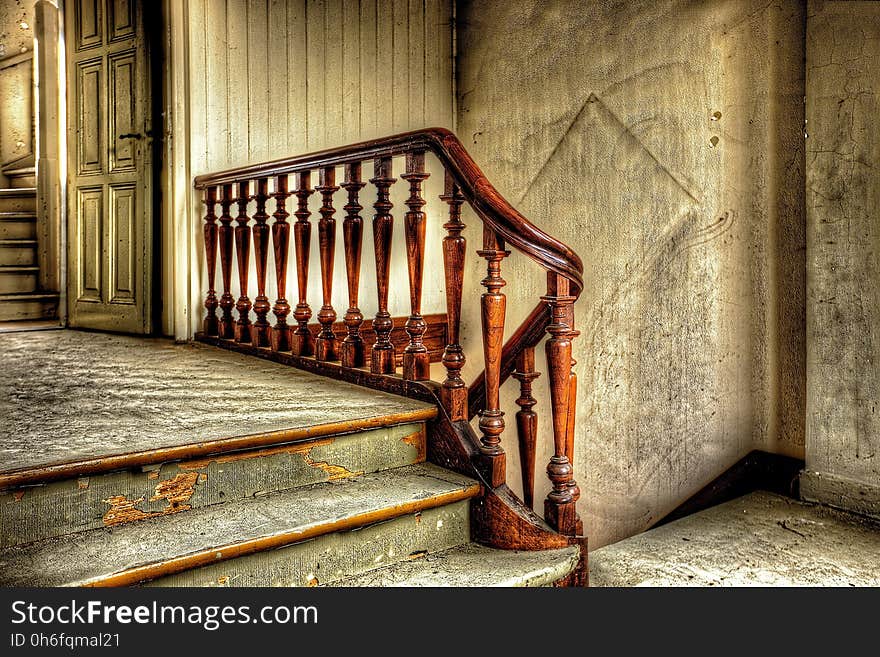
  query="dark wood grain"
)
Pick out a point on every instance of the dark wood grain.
point(382, 354)
point(227, 302)
point(211, 325)
point(325, 344)
point(243, 254)
point(260, 232)
point(352, 232)
point(416, 366)
point(527, 422)
point(280, 337)
point(302, 342)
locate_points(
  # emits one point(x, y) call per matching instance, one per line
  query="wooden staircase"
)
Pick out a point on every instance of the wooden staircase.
point(20, 294)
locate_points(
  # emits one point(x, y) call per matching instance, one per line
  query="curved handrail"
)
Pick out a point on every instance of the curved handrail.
point(482, 196)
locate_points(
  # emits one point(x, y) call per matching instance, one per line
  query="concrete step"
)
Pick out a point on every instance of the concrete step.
point(32, 512)
point(468, 565)
point(16, 279)
point(28, 306)
point(18, 252)
point(22, 177)
point(172, 544)
point(23, 199)
point(18, 225)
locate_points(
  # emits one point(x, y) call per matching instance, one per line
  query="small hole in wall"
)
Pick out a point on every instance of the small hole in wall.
point(716, 116)
point(714, 141)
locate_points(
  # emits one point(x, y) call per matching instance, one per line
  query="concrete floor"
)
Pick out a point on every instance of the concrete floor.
point(761, 539)
point(73, 395)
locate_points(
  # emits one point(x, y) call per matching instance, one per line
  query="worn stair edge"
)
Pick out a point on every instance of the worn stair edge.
point(153, 548)
point(108, 463)
point(32, 513)
point(17, 191)
point(338, 555)
point(473, 565)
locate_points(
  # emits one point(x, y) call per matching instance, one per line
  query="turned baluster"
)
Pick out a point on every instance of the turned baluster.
point(560, 506)
point(527, 421)
point(353, 229)
point(211, 325)
point(303, 343)
point(260, 230)
point(243, 252)
point(227, 323)
point(382, 355)
point(416, 366)
point(494, 305)
point(454, 393)
point(325, 345)
point(280, 245)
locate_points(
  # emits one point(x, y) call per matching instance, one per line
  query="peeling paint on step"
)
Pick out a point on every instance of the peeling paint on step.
point(176, 492)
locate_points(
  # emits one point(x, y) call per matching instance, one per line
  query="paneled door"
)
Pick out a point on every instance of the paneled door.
point(110, 175)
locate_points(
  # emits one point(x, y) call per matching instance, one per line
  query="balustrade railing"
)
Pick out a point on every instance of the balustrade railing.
point(378, 348)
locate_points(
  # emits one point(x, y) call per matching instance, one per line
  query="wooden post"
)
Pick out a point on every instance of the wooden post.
point(211, 325)
point(416, 366)
point(325, 345)
point(353, 230)
point(303, 343)
point(454, 393)
point(227, 323)
point(527, 422)
point(260, 232)
point(382, 355)
point(281, 246)
point(243, 252)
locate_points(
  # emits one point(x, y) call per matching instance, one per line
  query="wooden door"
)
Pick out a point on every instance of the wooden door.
point(110, 175)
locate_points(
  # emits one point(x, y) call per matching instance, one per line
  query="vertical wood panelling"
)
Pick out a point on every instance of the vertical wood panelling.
point(334, 43)
point(258, 79)
point(400, 65)
point(216, 98)
point(297, 76)
point(369, 97)
point(277, 46)
point(351, 72)
point(315, 72)
point(237, 91)
point(415, 62)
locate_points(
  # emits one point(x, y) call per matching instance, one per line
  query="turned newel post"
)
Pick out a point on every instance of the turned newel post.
point(560, 506)
point(494, 305)
point(303, 343)
point(325, 344)
point(353, 230)
point(416, 366)
point(454, 393)
point(243, 252)
point(211, 326)
point(527, 421)
point(227, 302)
point(382, 355)
point(260, 230)
point(281, 244)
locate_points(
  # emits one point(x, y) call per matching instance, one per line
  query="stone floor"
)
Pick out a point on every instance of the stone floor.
point(73, 395)
point(761, 539)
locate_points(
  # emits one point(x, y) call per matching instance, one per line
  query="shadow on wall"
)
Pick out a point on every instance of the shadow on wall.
point(663, 142)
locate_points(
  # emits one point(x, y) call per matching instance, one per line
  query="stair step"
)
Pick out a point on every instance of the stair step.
point(18, 226)
point(29, 513)
point(469, 565)
point(18, 279)
point(28, 306)
point(20, 199)
point(18, 252)
point(171, 544)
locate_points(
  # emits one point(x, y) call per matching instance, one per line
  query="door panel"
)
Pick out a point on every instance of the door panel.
point(110, 167)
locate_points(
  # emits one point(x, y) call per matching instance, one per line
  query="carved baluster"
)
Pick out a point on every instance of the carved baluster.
point(559, 507)
point(281, 247)
point(261, 252)
point(454, 393)
point(243, 252)
point(494, 305)
point(382, 357)
point(527, 422)
point(353, 230)
point(211, 326)
point(416, 366)
point(227, 324)
point(303, 343)
point(325, 345)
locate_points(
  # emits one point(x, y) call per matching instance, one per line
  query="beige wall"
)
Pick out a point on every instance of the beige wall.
point(843, 271)
point(664, 142)
point(16, 80)
point(263, 79)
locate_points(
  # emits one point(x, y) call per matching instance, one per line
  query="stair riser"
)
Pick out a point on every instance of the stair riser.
point(18, 203)
point(18, 255)
point(17, 229)
point(339, 555)
point(14, 282)
point(13, 310)
point(31, 513)
point(21, 181)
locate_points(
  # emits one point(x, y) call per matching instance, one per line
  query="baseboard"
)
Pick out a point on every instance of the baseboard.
point(757, 470)
point(840, 492)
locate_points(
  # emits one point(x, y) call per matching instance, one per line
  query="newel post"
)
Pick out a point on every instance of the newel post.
point(560, 510)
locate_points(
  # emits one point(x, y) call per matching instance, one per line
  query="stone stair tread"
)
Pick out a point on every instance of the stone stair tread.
point(23, 241)
point(18, 215)
point(472, 565)
point(27, 296)
point(147, 549)
point(18, 191)
point(16, 269)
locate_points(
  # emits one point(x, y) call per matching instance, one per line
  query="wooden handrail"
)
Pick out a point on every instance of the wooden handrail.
point(377, 363)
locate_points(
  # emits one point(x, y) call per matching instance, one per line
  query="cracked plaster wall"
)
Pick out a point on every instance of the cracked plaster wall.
point(16, 82)
point(843, 272)
point(664, 142)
